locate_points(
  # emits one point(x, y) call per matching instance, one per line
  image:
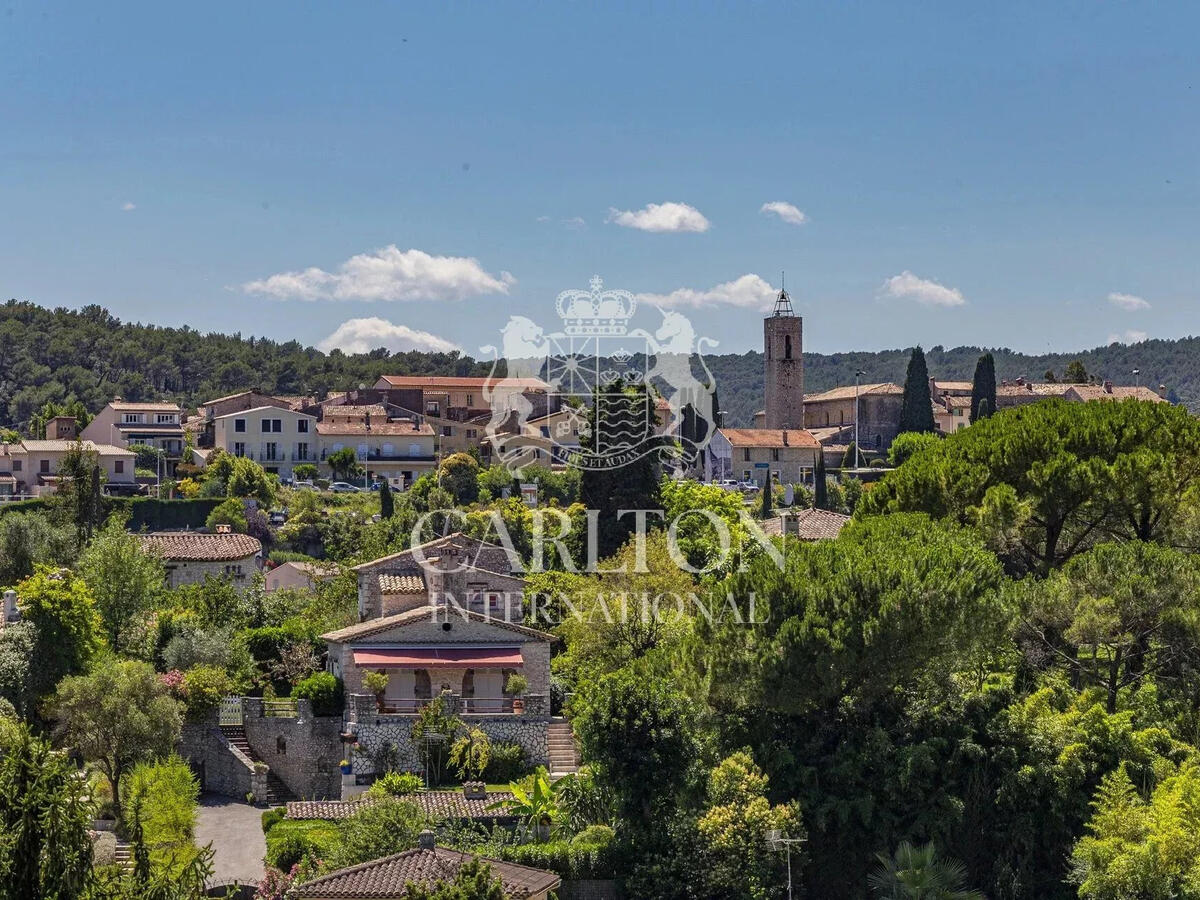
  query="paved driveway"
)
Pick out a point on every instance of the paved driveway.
point(235, 831)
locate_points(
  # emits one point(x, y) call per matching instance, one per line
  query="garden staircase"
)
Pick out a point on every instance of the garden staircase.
point(277, 792)
point(564, 751)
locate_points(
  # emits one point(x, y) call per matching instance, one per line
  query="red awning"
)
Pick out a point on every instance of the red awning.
point(439, 657)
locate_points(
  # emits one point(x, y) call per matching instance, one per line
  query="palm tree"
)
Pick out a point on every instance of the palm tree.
point(533, 801)
point(917, 873)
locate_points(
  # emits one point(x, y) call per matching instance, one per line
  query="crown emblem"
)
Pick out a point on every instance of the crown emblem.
point(596, 311)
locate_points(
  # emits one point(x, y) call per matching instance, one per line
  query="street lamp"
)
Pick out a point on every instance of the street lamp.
point(776, 841)
point(857, 375)
point(1137, 381)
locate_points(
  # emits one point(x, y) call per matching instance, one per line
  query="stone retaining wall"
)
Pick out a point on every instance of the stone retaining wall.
point(220, 767)
point(374, 734)
point(303, 750)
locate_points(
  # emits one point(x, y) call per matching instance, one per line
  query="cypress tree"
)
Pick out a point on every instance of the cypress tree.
point(917, 412)
point(820, 488)
point(767, 500)
point(983, 388)
point(849, 459)
point(387, 506)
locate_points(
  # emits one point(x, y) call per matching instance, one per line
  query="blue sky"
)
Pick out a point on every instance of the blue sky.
point(1019, 174)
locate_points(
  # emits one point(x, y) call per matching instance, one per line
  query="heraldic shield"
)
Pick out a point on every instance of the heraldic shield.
point(543, 405)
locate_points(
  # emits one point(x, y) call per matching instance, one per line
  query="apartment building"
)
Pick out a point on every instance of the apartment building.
point(278, 439)
point(123, 422)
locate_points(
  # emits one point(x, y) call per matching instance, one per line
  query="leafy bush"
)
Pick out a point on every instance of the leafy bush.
point(471, 753)
point(291, 840)
point(389, 825)
point(203, 689)
point(594, 836)
point(232, 512)
point(273, 817)
point(375, 682)
point(193, 646)
point(167, 791)
point(396, 784)
point(506, 763)
point(324, 691)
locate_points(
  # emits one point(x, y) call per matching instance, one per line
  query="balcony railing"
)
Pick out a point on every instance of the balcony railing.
point(363, 707)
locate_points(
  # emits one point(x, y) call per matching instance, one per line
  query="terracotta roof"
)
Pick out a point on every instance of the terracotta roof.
point(402, 583)
point(954, 385)
point(819, 524)
point(963, 402)
point(193, 546)
point(272, 410)
point(435, 804)
point(1034, 389)
point(356, 412)
point(770, 437)
point(422, 614)
point(1118, 392)
point(59, 446)
point(847, 393)
point(383, 428)
point(386, 878)
point(146, 407)
point(459, 382)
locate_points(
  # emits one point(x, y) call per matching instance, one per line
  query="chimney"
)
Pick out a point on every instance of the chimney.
point(1162, 391)
point(785, 441)
point(224, 528)
point(474, 790)
point(368, 420)
point(933, 388)
point(425, 840)
point(1108, 387)
point(1030, 386)
point(1021, 381)
point(10, 607)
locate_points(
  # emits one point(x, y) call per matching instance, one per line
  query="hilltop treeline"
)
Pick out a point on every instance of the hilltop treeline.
point(61, 355)
point(89, 355)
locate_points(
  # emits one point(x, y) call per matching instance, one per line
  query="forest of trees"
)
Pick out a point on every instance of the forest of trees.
point(40, 363)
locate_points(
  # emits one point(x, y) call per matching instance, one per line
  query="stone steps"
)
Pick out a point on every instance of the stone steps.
point(564, 750)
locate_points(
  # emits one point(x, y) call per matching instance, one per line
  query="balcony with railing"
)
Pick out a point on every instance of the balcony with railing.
point(369, 708)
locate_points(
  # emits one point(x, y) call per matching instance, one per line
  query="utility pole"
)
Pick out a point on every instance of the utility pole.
point(1137, 380)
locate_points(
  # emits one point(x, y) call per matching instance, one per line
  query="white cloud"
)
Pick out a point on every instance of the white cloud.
point(575, 222)
point(365, 335)
point(128, 207)
point(925, 291)
point(1129, 337)
point(748, 292)
point(1127, 302)
point(387, 274)
point(661, 217)
point(786, 211)
point(543, 218)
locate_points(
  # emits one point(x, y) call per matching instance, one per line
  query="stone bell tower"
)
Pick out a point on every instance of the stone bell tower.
point(783, 353)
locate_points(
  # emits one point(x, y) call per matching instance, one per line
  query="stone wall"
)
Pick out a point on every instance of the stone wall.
point(303, 750)
point(180, 572)
point(375, 734)
point(220, 767)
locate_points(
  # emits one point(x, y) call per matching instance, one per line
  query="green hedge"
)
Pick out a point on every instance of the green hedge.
point(566, 860)
point(37, 504)
point(167, 515)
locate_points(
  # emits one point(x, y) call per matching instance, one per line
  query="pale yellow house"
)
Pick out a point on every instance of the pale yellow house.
point(277, 439)
point(399, 451)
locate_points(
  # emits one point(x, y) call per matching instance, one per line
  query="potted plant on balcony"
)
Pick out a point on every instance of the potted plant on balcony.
point(517, 685)
point(345, 766)
point(376, 683)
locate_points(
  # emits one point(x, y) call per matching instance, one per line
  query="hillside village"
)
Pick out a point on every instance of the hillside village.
point(340, 609)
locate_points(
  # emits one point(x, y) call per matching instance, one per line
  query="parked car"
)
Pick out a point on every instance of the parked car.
point(304, 485)
point(344, 487)
point(729, 484)
point(748, 486)
point(278, 517)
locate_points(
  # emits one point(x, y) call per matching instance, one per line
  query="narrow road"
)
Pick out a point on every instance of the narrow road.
point(235, 831)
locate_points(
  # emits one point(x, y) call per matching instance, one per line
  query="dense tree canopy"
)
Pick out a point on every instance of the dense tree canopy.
point(1050, 479)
